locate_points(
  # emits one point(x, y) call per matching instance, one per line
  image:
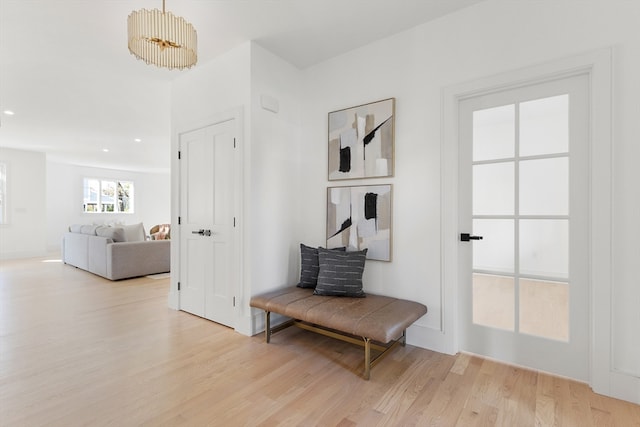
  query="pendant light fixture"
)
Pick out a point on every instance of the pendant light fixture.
point(160, 38)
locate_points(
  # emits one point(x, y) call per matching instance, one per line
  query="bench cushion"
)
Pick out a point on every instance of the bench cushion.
point(379, 318)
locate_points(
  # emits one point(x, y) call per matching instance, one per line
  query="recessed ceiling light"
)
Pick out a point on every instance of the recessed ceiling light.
point(106, 150)
point(8, 112)
point(137, 140)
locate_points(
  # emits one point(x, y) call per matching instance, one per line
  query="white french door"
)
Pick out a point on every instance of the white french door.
point(524, 203)
point(207, 222)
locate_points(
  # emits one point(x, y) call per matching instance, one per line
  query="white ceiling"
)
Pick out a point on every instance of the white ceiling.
point(66, 72)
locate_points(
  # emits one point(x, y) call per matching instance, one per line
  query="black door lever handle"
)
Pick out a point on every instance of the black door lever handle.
point(465, 237)
point(202, 232)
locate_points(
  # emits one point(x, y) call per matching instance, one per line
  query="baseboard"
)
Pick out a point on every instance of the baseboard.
point(244, 325)
point(254, 324)
point(173, 300)
point(623, 386)
point(23, 255)
point(429, 338)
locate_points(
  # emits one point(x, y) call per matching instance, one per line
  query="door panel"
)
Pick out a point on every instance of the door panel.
point(523, 168)
point(207, 222)
point(195, 271)
point(195, 213)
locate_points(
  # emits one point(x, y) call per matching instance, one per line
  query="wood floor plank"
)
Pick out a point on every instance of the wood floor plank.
point(76, 350)
point(547, 409)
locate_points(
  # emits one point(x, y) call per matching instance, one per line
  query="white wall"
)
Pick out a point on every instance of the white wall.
point(211, 88)
point(65, 199)
point(492, 37)
point(275, 191)
point(25, 233)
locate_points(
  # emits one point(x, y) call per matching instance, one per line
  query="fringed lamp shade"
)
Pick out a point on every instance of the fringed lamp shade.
point(160, 38)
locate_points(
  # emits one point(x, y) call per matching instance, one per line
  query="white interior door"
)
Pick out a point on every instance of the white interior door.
point(207, 222)
point(523, 174)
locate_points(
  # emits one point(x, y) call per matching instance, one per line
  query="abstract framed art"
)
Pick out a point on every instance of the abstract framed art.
point(359, 217)
point(361, 141)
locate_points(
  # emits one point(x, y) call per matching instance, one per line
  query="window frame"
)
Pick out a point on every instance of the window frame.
point(105, 203)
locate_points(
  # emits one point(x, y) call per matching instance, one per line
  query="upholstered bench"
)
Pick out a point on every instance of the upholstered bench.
point(374, 322)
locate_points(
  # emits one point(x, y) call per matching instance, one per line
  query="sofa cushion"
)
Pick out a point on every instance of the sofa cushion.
point(89, 229)
point(114, 233)
point(132, 259)
point(310, 266)
point(133, 232)
point(75, 228)
point(75, 250)
point(340, 273)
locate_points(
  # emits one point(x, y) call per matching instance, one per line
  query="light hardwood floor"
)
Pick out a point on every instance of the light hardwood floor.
point(77, 350)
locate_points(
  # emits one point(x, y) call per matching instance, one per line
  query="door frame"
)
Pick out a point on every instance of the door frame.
point(236, 271)
point(597, 65)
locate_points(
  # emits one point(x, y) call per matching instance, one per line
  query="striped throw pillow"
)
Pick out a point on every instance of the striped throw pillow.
point(309, 266)
point(340, 273)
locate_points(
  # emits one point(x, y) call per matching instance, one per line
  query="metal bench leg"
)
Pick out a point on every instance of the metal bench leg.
point(367, 358)
point(267, 326)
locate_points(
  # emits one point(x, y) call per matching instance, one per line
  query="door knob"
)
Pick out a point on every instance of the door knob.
point(202, 232)
point(465, 237)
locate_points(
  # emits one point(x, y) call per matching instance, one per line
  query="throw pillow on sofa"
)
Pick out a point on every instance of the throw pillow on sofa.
point(114, 233)
point(75, 228)
point(134, 232)
point(88, 229)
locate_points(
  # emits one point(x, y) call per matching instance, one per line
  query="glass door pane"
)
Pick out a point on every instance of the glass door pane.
point(494, 133)
point(544, 247)
point(497, 292)
point(493, 186)
point(495, 251)
point(544, 309)
point(544, 126)
point(544, 186)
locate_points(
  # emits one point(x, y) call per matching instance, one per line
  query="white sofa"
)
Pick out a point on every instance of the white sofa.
point(117, 252)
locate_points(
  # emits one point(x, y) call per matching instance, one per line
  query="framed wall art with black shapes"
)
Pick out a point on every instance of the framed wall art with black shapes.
point(359, 217)
point(361, 141)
